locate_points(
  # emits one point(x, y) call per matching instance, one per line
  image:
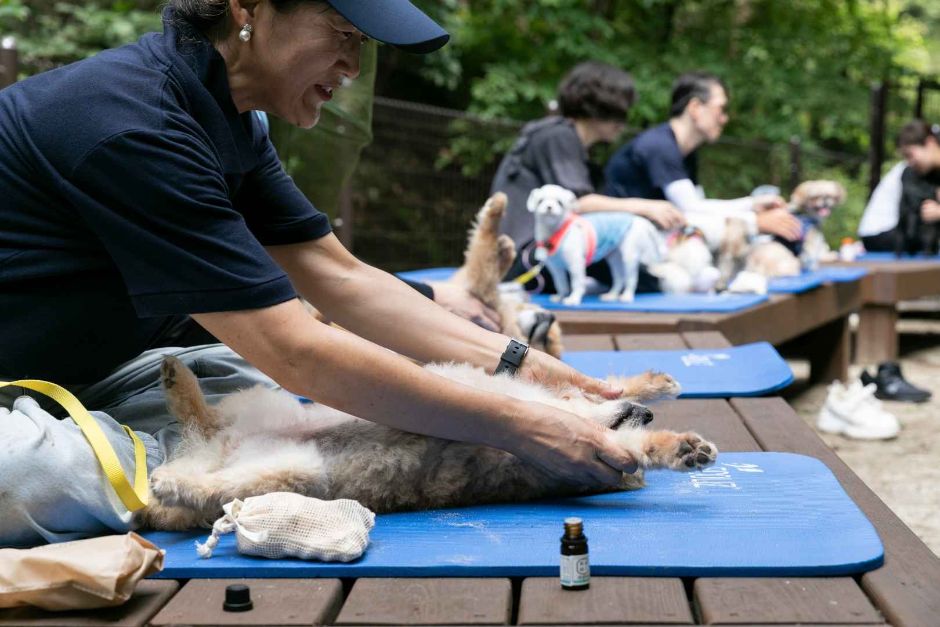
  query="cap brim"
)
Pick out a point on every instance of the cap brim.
point(395, 22)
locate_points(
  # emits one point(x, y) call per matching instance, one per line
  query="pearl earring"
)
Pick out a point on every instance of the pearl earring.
point(245, 33)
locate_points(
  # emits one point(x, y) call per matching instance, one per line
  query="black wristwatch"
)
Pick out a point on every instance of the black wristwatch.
point(511, 359)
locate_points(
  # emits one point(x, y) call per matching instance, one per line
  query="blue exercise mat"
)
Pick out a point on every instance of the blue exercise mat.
point(841, 274)
point(649, 303)
point(751, 514)
point(885, 256)
point(662, 303)
point(795, 284)
point(428, 274)
point(748, 370)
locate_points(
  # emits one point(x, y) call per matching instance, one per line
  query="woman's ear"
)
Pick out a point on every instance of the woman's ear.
point(243, 11)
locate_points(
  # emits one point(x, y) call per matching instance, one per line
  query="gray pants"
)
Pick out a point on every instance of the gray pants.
point(52, 488)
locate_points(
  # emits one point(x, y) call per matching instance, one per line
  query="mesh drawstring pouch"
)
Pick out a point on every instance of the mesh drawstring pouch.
point(284, 524)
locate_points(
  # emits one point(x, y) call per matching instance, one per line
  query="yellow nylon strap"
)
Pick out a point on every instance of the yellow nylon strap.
point(134, 498)
point(528, 276)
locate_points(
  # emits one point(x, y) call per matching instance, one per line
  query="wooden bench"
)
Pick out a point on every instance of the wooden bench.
point(904, 592)
point(813, 324)
point(885, 286)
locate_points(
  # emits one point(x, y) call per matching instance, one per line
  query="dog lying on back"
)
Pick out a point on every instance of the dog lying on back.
point(259, 440)
point(568, 243)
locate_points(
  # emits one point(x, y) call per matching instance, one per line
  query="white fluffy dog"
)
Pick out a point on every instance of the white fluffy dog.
point(259, 441)
point(569, 243)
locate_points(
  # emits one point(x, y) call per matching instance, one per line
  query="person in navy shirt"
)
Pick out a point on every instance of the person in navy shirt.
point(137, 191)
point(662, 163)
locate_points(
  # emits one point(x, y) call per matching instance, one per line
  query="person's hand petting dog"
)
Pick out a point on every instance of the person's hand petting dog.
point(459, 301)
point(574, 449)
point(930, 211)
point(664, 214)
point(778, 221)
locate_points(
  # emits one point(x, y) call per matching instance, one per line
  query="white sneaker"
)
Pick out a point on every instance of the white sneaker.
point(854, 412)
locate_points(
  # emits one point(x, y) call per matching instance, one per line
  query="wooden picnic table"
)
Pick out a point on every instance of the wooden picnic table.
point(903, 592)
point(813, 324)
point(887, 284)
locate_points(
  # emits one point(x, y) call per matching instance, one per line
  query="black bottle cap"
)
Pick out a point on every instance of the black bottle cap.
point(237, 598)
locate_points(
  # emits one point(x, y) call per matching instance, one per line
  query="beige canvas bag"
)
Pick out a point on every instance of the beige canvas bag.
point(85, 574)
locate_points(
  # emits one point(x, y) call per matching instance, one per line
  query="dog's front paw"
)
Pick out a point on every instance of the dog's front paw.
point(555, 298)
point(572, 300)
point(663, 385)
point(626, 297)
point(610, 297)
point(693, 452)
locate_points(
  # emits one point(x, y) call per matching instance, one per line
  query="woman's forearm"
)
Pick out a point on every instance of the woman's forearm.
point(598, 202)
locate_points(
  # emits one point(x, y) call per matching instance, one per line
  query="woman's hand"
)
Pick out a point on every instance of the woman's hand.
point(779, 222)
point(456, 299)
point(664, 214)
point(544, 369)
point(574, 449)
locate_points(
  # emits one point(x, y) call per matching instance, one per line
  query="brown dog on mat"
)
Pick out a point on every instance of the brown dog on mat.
point(260, 440)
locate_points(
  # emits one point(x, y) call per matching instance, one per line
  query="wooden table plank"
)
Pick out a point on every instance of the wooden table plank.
point(276, 602)
point(609, 600)
point(712, 418)
point(907, 588)
point(706, 339)
point(147, 599)
point(772, 601)
point(599, 342)
point(648, 341)
point(457, 601)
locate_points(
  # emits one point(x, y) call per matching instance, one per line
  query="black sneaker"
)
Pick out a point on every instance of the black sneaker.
point(892, 386)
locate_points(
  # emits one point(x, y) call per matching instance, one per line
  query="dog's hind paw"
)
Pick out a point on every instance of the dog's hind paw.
point(164, 486)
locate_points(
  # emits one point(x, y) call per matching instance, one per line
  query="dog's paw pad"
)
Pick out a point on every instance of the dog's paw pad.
point(168, 369)
point(695, 452)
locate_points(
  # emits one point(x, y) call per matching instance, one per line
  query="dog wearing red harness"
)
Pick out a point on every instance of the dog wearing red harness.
point(568, 242)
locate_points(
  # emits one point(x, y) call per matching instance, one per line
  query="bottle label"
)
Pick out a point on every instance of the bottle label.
point(575, 570)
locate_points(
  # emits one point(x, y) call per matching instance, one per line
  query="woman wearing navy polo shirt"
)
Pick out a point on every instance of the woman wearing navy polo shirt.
point(136, 190)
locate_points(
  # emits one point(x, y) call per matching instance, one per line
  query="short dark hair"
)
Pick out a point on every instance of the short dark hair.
point(595, 90)
point(692, 85)
point(916, 132)
point(211, 17)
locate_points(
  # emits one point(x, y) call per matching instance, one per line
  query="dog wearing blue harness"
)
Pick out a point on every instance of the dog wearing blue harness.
point(568, 242)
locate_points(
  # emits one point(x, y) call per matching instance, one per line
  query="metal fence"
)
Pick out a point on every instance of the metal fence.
point(412, 198)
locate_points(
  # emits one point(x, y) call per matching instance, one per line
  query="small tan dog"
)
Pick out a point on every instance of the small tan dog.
point(811, 202)
point(487, 259)
point(260, 440)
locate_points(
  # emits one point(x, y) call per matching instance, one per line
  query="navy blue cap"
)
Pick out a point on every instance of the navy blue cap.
point(395, 22)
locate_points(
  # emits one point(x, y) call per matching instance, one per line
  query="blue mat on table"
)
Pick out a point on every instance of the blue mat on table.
point(885, 256)
point(648, 303)
point(751, 514)
point(841, 274)
point(747, 370)
point(795, 284)
point(662, 303)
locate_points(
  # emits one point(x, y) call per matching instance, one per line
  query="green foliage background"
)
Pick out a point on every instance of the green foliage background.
point(795, 68)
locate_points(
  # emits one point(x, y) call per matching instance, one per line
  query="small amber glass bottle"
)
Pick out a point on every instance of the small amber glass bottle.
point(575, 570)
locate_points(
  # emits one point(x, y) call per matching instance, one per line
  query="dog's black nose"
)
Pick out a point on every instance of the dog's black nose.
point(642, 414)
point(634, 415)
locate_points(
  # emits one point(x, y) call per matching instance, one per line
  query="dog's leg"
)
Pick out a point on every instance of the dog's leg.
point(206, 493)
point(573, 253)
point(616, 261)
point(170, 517)
point(489, 255)
point(649, 386)
point(559, 278)
point(184, 398)
point(667, 449)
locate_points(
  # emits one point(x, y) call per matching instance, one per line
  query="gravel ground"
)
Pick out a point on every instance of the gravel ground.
point(904, 472)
